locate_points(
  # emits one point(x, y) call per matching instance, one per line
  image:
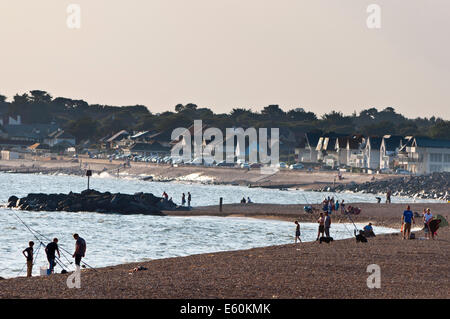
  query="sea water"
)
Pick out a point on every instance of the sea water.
point(114, 239)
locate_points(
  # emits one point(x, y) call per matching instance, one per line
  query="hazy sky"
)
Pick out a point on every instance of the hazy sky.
point(316, 54)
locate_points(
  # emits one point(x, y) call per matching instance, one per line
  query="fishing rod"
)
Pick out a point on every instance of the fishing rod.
point(45, 237)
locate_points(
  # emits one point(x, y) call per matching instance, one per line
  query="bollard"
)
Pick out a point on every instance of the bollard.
point(220, 204)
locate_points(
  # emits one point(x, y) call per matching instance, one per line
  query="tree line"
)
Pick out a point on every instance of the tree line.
point(94, 121)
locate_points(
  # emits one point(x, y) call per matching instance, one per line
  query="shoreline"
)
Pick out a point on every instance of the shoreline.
point(267, 272)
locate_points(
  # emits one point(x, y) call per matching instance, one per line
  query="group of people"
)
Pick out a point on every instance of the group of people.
point(330, 205)
point(408, 220)
point(51, 250)
point(183, 198)
point(246, 201)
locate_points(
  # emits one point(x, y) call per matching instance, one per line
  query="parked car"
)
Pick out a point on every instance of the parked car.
point(225, 164)
point(296, 166)
point(402, 171)
point(245, 165)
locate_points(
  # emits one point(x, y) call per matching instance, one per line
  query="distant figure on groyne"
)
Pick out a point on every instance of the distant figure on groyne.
point(183, 200)
point(189, 199)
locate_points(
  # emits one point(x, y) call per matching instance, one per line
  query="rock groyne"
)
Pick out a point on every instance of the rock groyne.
point(95, 201)
point(432, 186)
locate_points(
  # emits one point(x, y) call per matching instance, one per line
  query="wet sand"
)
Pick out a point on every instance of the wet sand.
point(409, 268)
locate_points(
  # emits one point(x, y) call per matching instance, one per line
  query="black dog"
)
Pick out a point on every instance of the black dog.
point(360, 238)
point(325, 239)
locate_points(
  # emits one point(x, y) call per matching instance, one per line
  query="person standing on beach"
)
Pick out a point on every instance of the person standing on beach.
point(388, 196)
point(327, 224)
point(407, 217)
point(189, 199)
point(427, 218)
point(29, 257)
point(183, 199)
point(297, 232)
point(165, 195)
point(80, 249)
point(50, 250)
point(342, 207)
point(321, 221)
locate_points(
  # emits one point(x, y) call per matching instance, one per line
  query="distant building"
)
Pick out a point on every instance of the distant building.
point(119, 140)
point(390, 146)
point(305, 150)
point(60, 137)
point(372, 152)
point(147, 149)
point(9, 120)
point(29, 132)
point(421, 155)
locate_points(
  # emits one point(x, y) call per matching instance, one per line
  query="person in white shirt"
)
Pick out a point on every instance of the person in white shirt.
point(427, 218)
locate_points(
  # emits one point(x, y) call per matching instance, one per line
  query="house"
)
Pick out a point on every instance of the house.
point(346, 146)
point(422, 155)
point(390, 145)
point(118, 140)
point(372, 152)
point(305, 150)
point(147, 149)
point(163, 138)
point(9, 120)
point(35, 133)
point(60, 137)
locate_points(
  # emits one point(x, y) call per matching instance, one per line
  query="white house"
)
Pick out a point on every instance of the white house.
point(372, 152)
point(390, 146)
point(424, 155)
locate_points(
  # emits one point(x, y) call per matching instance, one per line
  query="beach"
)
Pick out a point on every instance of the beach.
point(284, 178)
point(409, 268)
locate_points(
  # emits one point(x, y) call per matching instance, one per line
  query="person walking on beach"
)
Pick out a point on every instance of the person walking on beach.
point(29, 257)
point(407, 217)
point(80, 249)
point(321, 221)
point(189, 199)
point(297, 232)
point(427, 218)
point(388, 196)
point(50, 250)
point(327, 224)
point(183, 199)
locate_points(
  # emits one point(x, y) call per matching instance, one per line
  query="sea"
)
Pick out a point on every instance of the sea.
point(115, 239)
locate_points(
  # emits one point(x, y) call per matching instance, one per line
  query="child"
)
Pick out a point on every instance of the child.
point(29, 257)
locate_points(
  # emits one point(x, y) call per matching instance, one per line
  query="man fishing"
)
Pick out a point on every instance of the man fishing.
point(80, 249)
point(50, 250)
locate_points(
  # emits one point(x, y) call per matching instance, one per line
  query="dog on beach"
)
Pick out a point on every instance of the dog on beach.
point(325, 239)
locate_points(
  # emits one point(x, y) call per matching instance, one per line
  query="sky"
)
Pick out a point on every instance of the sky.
point(223, 54)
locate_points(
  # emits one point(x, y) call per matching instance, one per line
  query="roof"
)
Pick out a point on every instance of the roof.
point(375, 142)
point(392, 142)
point(431, 143)
point(38, 146)
point(34, 131)
point(118, 136)
point(61, 134)
point(312, 139)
